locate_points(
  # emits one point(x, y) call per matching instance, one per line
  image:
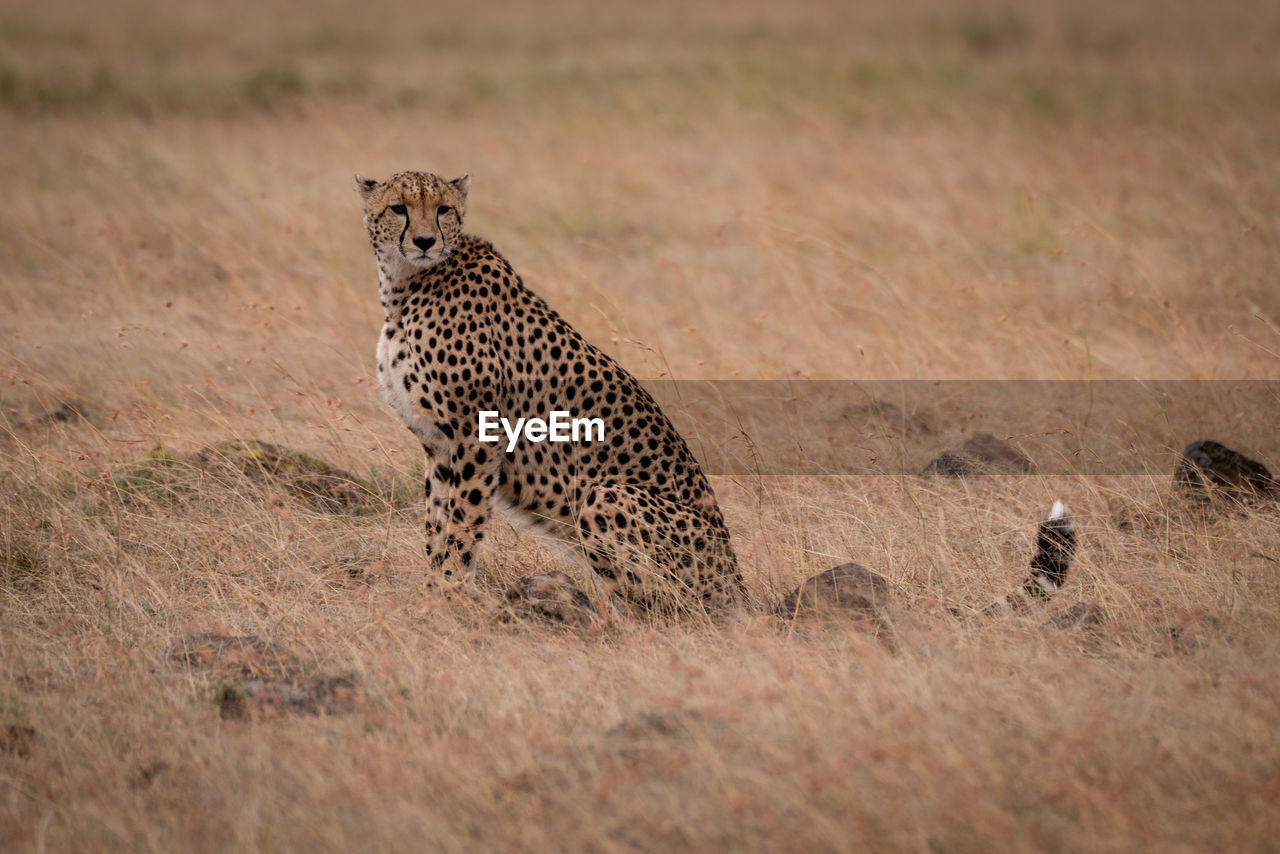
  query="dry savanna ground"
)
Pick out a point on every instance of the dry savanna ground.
point(194, 656)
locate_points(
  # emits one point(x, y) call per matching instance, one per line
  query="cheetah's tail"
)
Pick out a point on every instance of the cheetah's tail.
point(1055, 546)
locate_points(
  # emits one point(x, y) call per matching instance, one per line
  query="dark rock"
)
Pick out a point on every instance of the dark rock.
point(1085, 616)
point(981, 454)
point(319, 695)
point(649, 724)
point(1191, 634)
point(881, 418)
point(552, 598)
point(17, 739)
point(354, 570)
point(231, 656)
point(948, 464)
point(310, 478)
point(847, 590)
point(71, 412)
point(20, 564)
point(258, 678)
point(1207, 469)
point(161, 476)
point(147, 774)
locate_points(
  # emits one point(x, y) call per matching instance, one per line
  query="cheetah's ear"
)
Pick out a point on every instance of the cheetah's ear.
point(462, 185)
point(365, 186)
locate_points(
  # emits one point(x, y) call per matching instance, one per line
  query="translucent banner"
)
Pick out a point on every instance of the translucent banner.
point(815, 427)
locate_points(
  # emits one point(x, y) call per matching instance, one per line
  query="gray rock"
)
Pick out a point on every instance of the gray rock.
point(1208, 469)
point(552, 598)
point(848, 591)
point(981, 454)
point(257, 678)
point(1085, 616)
point(234, 656)
point(17, 739)
point(70, 412)
point(319, 695)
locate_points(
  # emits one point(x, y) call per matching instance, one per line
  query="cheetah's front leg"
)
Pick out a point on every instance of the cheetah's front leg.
point(438, 484)
point(459, 496)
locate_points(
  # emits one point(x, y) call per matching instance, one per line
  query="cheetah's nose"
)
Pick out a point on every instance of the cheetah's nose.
point(424, 243)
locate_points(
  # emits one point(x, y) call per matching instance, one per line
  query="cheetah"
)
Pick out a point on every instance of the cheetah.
point(462, 335)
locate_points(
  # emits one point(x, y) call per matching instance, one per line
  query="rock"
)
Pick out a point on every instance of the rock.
point(259, 678)
point(161, 476)
point(319, 695)
point(310, 478)
point(361, 570)
point(552, 598)
point(881, 417)
point(848, 591)
point(157, 477)
point(1191, 634)
point(234, 656)
point(71, 412)
point(17, 739)
point(147, 774)
point(648, 724)
point(1207, 469)
point(20, 564)
point(648, 737)
point(981, 454)
point(1084, 616)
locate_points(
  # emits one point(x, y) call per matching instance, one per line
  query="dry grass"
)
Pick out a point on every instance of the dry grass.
point(905, 190)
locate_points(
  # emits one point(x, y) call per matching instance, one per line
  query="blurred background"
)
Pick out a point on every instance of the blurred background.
point(905, 190)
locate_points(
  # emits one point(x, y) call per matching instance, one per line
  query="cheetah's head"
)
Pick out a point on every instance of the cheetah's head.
point(416, 216)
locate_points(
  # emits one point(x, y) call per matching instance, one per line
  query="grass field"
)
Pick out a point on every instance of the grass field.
point(914, 190)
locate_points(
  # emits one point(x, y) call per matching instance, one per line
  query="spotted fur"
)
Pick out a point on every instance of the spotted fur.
point(461, 334)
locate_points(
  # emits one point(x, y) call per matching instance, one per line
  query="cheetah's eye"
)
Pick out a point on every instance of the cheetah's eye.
point(443, 209)
point(398, 210)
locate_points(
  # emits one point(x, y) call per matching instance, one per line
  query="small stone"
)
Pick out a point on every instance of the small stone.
point(552, 598)
point(234, 655)
point(17, 739)
point(981, 454)
point(847, 590)
point(1193, 632)
point(648, 724)
point(261, 698)
point(1085, 616)
point(69, 412)
point(147, 774)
